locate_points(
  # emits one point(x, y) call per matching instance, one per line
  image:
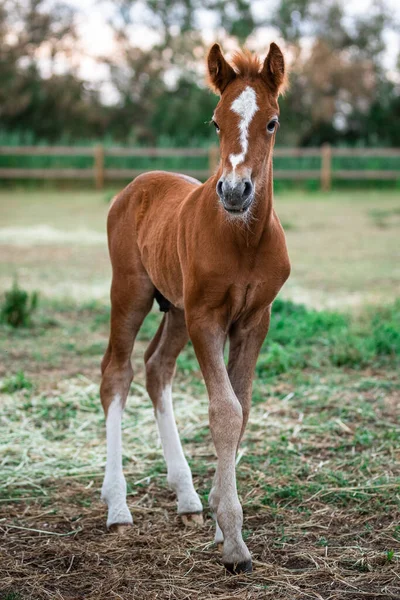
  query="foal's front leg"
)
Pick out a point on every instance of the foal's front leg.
point(244, 347)
point(226, 421)
point(129, 308)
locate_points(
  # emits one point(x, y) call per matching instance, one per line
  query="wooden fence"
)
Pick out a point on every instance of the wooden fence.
point(100, 174)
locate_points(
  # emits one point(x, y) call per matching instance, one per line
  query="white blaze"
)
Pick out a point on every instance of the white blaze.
point(245, 106)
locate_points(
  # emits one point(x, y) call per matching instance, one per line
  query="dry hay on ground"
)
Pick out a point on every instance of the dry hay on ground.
point(159, 559)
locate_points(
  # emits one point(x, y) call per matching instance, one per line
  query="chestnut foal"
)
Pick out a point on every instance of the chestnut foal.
point(214, 256)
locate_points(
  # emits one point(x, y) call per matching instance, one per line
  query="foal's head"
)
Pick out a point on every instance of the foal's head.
point(246, 120)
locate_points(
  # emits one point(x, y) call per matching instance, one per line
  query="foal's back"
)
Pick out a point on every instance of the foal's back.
point(156, 191)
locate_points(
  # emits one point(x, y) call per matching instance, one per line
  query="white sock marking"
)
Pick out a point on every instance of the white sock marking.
point(114, 486)
point(245, 106)
point(179, 474)
point(219, 536)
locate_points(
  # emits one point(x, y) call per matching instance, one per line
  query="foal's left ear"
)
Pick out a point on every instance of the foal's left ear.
point(220, 72)
point(273, 71)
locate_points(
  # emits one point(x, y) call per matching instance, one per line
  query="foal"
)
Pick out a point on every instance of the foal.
point(214, 256)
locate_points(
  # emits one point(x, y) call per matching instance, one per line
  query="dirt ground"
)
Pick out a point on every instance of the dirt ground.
point(73, 557)
point(318, 482)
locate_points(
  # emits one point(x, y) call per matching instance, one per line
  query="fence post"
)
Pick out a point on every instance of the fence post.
point(99, 167)
point(326, 167)
point(213, 159)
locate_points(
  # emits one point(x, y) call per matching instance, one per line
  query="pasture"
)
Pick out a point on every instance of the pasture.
point(319, 467)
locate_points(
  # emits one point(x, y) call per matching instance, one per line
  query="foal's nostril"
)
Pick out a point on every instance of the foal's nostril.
point(248, 188)
point(219, 187)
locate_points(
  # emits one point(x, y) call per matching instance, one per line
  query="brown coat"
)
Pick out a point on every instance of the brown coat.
point(216, 251)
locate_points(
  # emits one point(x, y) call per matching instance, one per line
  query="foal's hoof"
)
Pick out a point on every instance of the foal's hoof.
point(192, 519)
point(120, 528)
point(236, 568)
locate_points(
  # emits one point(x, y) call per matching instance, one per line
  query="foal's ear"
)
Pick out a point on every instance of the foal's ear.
point(220, 72)
point(273, 71)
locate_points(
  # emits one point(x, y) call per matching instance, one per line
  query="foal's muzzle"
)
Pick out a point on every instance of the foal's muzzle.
point(236, 196)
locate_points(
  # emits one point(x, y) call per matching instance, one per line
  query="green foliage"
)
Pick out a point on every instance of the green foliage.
point(385, 329)
point(186, 104)
point(18, 307)
point(14, 383)
point(304, 338)
point(389, 555)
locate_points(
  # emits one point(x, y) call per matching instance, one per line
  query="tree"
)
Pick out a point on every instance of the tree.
point(339, 90)
point(60, 105)
point(336, 80)
point(162, 90)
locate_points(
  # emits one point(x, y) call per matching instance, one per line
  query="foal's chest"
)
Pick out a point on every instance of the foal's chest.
point(237, 298)
point(251, 297)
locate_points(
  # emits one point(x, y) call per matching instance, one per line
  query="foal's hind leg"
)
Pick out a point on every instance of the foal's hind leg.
point(131, 300)
point(160, 361)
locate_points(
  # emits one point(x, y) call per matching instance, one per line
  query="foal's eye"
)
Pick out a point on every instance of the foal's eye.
point(216, 126)
point(272, 125)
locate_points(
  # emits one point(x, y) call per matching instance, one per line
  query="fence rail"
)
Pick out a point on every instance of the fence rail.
point(100, 174)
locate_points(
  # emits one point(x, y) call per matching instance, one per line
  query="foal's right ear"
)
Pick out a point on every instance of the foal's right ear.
point(220, 72)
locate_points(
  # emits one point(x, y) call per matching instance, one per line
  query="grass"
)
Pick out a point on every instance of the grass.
point(319, 467)
point(18, 306)
point(16, 382)
point(302, 338)
point(385, 217)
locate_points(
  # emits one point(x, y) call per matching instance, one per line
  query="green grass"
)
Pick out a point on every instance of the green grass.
point(313, 363)
point(16, 382)
point(302, 338)
point(18, 306)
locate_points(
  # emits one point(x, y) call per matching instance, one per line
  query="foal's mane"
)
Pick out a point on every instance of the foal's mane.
point(246, 64)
